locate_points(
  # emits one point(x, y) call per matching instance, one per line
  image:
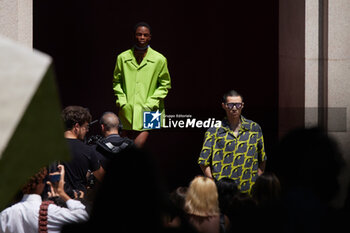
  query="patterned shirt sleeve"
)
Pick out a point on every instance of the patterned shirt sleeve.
point(261, 147)
point(205, 156)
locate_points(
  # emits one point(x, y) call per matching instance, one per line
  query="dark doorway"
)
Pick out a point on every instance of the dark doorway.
point(211, 47)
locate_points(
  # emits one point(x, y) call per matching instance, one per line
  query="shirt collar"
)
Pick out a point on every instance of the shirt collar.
point(113, 135)
point(244, 124)
point(31, 198)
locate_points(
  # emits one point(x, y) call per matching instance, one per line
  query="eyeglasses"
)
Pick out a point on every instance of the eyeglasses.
point(231, 105)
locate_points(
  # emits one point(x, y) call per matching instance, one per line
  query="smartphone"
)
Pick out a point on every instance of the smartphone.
point(55, 178)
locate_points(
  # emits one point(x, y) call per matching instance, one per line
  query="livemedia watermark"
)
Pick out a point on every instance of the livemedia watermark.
point(154, 120)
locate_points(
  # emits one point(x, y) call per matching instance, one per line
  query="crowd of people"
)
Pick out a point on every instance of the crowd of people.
point(110, 184)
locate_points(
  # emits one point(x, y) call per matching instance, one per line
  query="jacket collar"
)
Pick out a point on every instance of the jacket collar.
point(148, 58)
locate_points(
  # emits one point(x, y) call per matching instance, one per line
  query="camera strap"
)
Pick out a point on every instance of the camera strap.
point(43, 216)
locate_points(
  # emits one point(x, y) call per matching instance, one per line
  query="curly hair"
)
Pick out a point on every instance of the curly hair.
point(75, 114)
point(33, 181)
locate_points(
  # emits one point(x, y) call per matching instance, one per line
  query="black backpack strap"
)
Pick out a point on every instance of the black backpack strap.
point(116, 149)
point(109, 147)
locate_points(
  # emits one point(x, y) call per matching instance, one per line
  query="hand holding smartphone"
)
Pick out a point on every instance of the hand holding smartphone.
point(54, 178)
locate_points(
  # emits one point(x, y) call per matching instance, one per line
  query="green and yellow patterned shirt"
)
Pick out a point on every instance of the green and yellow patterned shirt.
point(234, 157)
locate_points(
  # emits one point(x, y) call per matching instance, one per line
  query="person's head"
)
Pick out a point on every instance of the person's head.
point(267, 189)
point(178, 197)
point(227, 189)
point(174, 206)
point(142, 34)
point(76, 120)
point(240, 208)
point(242, 202)
point(232, 103)
point(35, 184)
point(202, 197)
point(109, 123)
point(309, 159)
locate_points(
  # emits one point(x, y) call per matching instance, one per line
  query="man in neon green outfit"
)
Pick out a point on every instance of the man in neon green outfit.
point(141, 82)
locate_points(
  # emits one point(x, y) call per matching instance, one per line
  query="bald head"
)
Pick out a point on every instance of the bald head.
point(109, 123)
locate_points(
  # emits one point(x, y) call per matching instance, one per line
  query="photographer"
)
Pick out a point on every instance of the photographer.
point(112, 143)
point(83, 157)
point(32, 215)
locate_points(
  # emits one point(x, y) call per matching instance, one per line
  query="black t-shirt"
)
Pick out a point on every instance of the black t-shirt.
point(103, 155)
point(83, 158)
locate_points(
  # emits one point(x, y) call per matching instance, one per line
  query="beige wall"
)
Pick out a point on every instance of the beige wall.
point(339, 64)
point(300, 66)
point(311, 62)
point(16, 20)
point(339, 77)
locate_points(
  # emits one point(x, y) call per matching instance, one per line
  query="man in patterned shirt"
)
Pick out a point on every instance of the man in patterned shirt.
point(236, 149)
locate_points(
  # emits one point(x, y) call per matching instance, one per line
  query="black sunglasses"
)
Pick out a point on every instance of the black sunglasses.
point(231, 105)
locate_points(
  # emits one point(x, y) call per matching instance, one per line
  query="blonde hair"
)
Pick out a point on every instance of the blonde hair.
point(202, 197)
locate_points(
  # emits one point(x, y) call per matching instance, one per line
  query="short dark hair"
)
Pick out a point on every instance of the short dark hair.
point(142, 24)
point(267, 188)
point(232, 93)
point(75, 114)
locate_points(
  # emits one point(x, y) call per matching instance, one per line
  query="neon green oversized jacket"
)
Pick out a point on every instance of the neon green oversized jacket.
point(140, 87)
